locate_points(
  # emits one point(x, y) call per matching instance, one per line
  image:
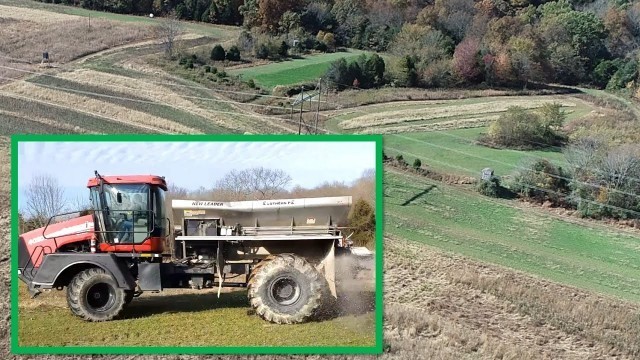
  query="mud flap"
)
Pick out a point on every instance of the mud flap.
point(329, 266)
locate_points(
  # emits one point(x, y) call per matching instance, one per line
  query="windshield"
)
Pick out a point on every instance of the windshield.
point(125, 211)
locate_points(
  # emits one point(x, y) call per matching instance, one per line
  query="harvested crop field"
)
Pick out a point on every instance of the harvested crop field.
point(27, 33)
point(409, 116)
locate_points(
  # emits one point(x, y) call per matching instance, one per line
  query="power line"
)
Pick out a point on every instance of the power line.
point(503, 203)
point(509, 150)
point(528, 186)
point(518, 167)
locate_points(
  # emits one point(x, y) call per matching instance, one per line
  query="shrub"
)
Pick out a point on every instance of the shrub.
point(624, 75)
point(540, 180)
point(233, 54)
point(222, 74)
point(207, 68)
point(605, 71)
point(400, 160)
point(218, 53)
point(251, 83)
point(279, 90)
point(417, 163)
point(491, 187)
point(283, 51)
point(262, 51)
point(188, 63)
point(320, 46)
point(362, 221)
point(519, 128)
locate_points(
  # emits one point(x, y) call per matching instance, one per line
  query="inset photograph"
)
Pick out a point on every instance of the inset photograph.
point(200, 244)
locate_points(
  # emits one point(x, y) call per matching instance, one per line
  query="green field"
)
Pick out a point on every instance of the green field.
point(183, 319)
point(292, 71)
point(455, 151)
point(589, 256)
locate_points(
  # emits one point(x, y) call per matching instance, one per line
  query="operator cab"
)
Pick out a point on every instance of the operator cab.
point(129, 212)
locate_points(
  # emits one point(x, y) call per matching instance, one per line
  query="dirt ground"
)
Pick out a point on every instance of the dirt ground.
point(446, 307)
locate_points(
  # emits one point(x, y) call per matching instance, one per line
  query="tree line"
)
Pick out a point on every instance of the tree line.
point(443, 42)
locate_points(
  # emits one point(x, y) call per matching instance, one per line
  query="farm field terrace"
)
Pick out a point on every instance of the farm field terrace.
point(570, 251)
point(443, 134)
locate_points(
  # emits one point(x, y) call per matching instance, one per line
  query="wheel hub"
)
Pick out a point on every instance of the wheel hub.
point(285, 291)
point(100, 297)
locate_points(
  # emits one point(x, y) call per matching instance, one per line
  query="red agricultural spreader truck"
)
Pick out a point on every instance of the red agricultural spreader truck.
point(284, 250)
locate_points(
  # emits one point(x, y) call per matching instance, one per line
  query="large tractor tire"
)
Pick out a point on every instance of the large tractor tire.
point(94, 295)
point(286, 289)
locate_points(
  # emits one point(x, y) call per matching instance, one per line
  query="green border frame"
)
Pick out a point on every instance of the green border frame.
point(218, 350)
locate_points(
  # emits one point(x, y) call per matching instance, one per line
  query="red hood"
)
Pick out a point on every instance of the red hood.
point(56, 235)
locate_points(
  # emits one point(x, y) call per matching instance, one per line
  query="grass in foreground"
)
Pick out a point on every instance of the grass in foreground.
point(464, 309)
point(183, 319)
point(294, 71)
point(594, 258)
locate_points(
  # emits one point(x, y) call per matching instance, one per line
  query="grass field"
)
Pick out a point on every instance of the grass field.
point(456, 152)
point(591, 257)
point(443, 134)
point(182, 319)
point(293, 71)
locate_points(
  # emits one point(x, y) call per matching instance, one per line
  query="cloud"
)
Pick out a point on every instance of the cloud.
point(193, 164)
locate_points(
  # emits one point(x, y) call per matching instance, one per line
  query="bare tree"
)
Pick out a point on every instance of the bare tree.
point(81, 204)
point(259, 182)
point(584, 156)
point(45, 198)
point(168, 30)
point(621, 166)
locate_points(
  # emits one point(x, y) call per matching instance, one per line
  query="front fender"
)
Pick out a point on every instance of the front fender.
point(56, 265)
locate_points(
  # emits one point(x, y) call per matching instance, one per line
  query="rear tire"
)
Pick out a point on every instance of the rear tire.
point(286, 289)
point(94, 295)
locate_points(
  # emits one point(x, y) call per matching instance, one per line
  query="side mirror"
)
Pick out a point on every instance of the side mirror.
point(119, 198)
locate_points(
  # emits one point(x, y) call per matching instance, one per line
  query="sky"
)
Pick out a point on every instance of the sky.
point(189, 164)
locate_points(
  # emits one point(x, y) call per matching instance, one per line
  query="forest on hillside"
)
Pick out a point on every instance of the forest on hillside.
point(443, 42)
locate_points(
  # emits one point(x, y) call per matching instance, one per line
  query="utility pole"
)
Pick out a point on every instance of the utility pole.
point(318, 108)
point(301, 103)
